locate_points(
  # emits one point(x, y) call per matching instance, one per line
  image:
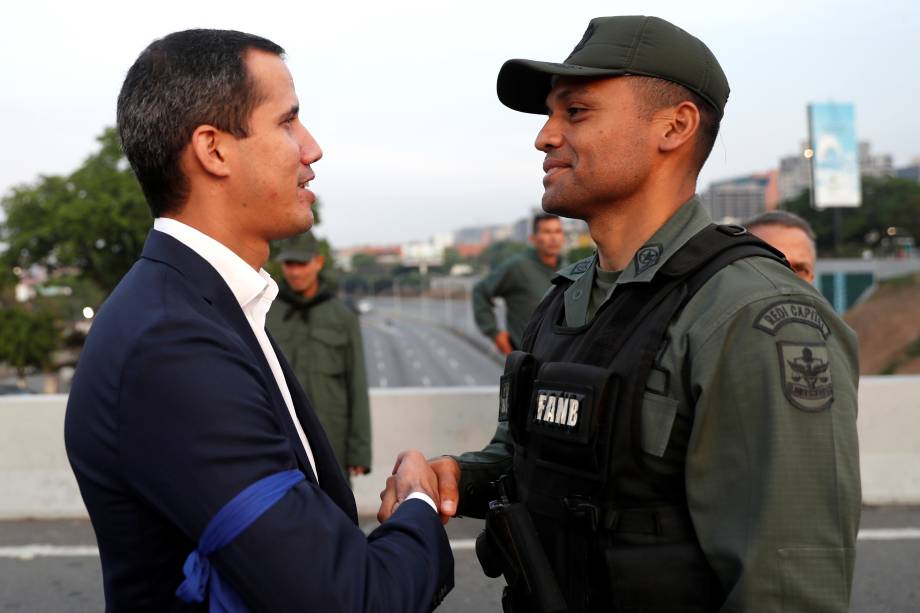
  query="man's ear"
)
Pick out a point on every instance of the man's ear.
point(680, 126)
point(208, 146)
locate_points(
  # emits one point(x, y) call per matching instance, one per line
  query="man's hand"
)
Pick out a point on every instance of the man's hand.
point(410, 474)
point(357, 471)
point(503, 342)
point(446, 472)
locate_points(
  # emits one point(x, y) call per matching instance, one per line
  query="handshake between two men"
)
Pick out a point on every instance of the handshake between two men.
point(436, 479)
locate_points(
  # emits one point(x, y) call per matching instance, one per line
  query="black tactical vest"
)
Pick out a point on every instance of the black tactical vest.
point(618, 536)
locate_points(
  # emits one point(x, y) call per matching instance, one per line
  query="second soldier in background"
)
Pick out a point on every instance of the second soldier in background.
point(321, 338)
point(521, 281)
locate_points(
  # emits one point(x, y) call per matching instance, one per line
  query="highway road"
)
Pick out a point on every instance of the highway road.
point(431, 343)
point(53, 566)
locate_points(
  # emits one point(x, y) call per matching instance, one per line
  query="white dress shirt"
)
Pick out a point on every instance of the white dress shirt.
point(255, 292)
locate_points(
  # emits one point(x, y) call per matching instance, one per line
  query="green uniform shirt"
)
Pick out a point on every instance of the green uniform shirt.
point(321, 338)
point(757, 375)
point(521, 281)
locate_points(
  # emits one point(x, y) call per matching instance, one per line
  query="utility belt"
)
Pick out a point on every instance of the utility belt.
point(555, 524)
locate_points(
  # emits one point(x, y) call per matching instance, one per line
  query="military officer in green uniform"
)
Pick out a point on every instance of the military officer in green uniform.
point(521, 281)
point(681, 425)
point(321, 338)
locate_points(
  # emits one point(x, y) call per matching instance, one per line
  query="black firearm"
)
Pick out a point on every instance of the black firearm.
point(509, 546)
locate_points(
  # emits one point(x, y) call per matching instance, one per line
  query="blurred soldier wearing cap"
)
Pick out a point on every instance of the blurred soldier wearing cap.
point(790, 234)
point(321, 338)
point(679, 431)
point(521, 281)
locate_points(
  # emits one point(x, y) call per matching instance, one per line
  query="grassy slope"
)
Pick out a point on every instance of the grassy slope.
point(888, 326)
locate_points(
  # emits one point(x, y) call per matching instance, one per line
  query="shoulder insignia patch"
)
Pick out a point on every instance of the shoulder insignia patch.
point(647, 257)
point(581, 266)
point(778, 314)
point(806, 375)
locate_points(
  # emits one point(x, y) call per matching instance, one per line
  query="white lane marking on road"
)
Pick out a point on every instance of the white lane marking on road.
point(889, 534)
point(383, 381)
point(426, 381)
point(28, 552)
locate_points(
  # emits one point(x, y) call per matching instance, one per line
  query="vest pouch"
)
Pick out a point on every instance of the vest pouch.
point(515, 390)
point(661, 577)
point(569, 420)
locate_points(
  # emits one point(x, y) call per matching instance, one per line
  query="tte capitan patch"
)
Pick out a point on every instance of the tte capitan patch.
point(779, 314)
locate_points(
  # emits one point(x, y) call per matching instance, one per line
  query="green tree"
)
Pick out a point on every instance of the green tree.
point(27, 340)
point(887, 203)
point(579, 253)
point(498, 252)
point(95, 220)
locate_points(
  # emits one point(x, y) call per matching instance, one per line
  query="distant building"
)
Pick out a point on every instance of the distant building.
point(910, 172)
point(794, 175)
point(733, 200)
point(383, 255)
point(481, 235)
point(426, 253)
point(874, 165)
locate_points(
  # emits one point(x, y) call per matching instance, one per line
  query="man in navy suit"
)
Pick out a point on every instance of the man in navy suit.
point(181, 400)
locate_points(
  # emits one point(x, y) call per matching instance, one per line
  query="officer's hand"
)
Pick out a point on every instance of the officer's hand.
point(410, 474)
point(357, 471)
point(503, 342)
point(448, 473)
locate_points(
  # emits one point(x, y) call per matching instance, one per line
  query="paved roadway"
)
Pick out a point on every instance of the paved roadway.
point(430, 343)
point(53, 567)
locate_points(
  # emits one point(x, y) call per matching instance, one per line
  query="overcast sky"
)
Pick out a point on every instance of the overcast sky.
point(401, 95)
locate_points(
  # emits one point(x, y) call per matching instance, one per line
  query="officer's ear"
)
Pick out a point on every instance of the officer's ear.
point(678, 127)
point(319, 261)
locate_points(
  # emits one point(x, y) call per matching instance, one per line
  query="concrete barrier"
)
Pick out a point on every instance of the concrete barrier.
point(36, 480)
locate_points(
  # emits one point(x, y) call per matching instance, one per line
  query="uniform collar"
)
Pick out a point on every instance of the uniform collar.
point(689, 219)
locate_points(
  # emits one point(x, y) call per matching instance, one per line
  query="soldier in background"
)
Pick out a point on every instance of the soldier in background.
point(521, 281)
point(321, 338)
point(790, 234)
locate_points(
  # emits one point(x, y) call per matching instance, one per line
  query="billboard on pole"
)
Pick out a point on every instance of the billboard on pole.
point(835, 156)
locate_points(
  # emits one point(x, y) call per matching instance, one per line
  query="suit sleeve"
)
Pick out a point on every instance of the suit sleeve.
point(773, 467)
point(484, 293)
point(359, 411)
point(197, 426)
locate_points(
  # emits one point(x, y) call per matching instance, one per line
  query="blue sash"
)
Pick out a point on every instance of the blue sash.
point(226, 525)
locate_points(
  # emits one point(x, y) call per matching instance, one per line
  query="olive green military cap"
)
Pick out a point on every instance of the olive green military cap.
point(300, 248)
point(615, 46)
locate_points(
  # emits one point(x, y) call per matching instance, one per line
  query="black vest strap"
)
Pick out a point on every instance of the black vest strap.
point(635, 321)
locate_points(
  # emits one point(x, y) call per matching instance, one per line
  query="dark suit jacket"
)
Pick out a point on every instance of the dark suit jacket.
point(173, 411)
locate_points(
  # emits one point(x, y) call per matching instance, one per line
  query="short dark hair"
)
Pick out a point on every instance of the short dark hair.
point(779, 217)
point(540, 218)
point(178, 83)
point(656, 94)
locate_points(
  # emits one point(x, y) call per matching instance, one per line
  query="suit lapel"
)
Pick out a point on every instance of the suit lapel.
point(331, 479)
point(164, 248)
